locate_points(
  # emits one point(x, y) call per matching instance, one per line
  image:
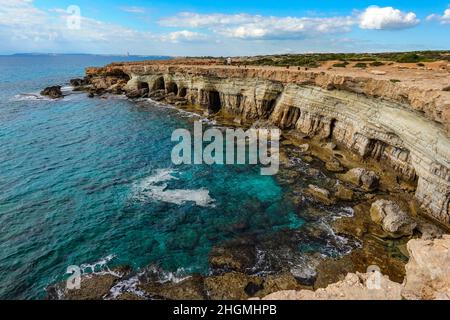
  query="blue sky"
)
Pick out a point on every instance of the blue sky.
point(222, 27)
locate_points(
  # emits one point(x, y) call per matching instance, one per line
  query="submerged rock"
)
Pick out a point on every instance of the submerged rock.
point(53, 92)
point(392, 219)
point(366, 179)
point(236, 258)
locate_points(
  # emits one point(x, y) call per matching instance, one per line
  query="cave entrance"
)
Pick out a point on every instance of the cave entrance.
point(332, 127)
point(172, 88)
point(182, 93)
point(159, 84)
point(214, 103)
point(142, 85)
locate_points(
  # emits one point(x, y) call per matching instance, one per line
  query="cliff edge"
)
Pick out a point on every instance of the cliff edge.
point(393, 114)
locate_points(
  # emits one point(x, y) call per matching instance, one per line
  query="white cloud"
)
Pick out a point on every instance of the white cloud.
point(134, 9)
point(244, 26)
point(387, 18)
point(444, 19)
point(183, 36)
point(195, 20)
point(26, 28)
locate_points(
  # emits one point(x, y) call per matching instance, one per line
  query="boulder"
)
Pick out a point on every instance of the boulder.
point(334, 165)
point(77, 82)
point(343, 193)
point(429, 231)
point(138, 93)
point(366, 179)
point(303, 147)
point(320, 194)
point(392, 219)
point(53, 92)
point(428, 269)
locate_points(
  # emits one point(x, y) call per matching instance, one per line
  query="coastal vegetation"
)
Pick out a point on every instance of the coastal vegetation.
point(316, 59)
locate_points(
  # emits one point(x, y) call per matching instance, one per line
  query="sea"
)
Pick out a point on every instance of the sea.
point(90, 182)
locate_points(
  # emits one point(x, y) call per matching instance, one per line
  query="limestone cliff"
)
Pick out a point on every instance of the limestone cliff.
point(405, 125)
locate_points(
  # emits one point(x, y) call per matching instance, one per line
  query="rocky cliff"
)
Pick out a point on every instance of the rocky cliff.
point(403, 124)
point(427, 278)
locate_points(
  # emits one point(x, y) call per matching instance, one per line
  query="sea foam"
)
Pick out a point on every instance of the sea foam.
point(153, 188)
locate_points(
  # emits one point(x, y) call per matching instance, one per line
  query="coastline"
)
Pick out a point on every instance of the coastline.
point(317, 149)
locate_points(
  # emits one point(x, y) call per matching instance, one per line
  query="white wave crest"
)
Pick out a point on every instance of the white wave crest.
point(99, 267)
point(30, 97)
point(152, 188)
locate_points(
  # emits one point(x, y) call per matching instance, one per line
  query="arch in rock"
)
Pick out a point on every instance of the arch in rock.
point(172, 87)
point(182, 92)
point(159, 84)
point(142, 85)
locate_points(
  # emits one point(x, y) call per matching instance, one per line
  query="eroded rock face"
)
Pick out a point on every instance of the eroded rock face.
point(392, 219)
point(428, 269)
point(374, 118)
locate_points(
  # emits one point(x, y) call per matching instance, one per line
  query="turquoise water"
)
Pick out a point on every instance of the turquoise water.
point(83, 179)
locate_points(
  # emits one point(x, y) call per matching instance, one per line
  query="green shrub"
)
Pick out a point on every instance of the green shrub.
point(395, 80)
point(340, 64)
point(420, 64)
point(361, 65)
point(409, 57)
point(377, 64)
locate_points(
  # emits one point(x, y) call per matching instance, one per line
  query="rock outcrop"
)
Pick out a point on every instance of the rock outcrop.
point(366, 179)
point(403, 124)
point(427, 278)
point(428, 269)
point(392, 219)
point(353, 287)
point(53, 92)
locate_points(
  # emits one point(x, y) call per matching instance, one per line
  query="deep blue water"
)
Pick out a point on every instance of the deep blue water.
point(84, 179)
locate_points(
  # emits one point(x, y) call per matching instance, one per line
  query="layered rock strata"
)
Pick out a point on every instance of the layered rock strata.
point(405, 126)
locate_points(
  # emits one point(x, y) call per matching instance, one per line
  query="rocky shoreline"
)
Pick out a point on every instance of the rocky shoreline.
point(403, 125)
point(382, 158)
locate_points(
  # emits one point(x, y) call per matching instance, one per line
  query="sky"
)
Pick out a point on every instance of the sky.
point(222, 28)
